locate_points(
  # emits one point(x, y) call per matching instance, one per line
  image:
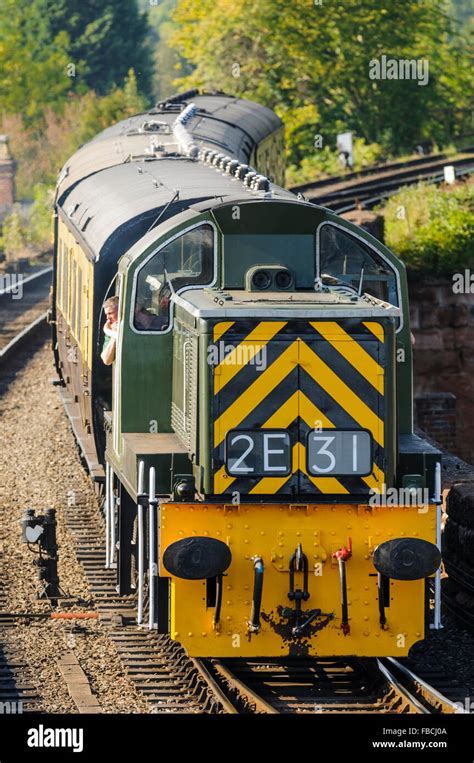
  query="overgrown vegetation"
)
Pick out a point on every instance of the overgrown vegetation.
point(326, 162)
point(432, 229)
point(310, 61)
point(39, 155)
point(26, 232)
point(69, 68)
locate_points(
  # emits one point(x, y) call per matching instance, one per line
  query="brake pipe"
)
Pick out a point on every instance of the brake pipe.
point(217, 610)
point(342, 556)
point(254, 622)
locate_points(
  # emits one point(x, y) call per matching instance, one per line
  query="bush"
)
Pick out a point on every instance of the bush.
point(325, 162)
point(26, 231)
point(40, 154)
point(432, 229)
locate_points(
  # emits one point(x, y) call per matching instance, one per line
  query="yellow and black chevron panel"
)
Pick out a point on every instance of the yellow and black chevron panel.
point(299, 377)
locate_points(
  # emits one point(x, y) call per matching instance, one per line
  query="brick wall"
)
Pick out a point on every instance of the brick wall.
point(436, 415)
point(443, 361)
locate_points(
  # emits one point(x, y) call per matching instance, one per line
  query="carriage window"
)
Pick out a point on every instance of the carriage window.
point(77, 315)
point(59, 267)
point(64, 277)
point(344, 261)
point(186, 261)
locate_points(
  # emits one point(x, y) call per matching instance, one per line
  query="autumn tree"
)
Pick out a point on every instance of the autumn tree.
point(310, 61)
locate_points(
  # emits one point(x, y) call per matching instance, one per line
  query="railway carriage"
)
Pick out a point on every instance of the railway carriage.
point(264, 492)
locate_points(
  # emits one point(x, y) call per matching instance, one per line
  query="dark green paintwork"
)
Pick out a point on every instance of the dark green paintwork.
point(145, 371)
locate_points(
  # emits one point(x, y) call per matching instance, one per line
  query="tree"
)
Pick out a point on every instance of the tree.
point(39, 154)
point(310, 61)
point(33, 64)
point(166, 60)
point(49, 48)
point(108, 37)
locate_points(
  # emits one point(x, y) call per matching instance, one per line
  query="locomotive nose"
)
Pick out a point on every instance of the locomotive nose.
point(407, 558)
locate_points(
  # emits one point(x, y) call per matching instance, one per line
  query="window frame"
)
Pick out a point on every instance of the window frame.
point(366, 243)
point(179, 234)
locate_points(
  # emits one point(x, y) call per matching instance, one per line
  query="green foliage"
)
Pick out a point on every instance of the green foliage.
point(107, 39)
point(462, 10)
point(96, 113)
point(39, 217)
point(33, 64)
point(13, 239)
point(167, 62)
point(52, 48)
point(26, 232)
point(325, 162)
point(41, 153)
point(432, 229)
point(299, 54)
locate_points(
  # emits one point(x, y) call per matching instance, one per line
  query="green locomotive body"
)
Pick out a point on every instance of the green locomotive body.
point(261, 392)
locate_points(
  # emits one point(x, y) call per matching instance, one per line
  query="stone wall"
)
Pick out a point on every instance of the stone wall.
point(443, 358)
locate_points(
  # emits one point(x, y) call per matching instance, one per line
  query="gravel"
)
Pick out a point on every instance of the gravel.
point(39, 467)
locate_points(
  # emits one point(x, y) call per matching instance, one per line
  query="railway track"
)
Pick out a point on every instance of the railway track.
point(159, 668)
point(327, 685)
point(428, 686)
point(171, 682)
point(18, 689)
point(369, 187)
point(161, 671)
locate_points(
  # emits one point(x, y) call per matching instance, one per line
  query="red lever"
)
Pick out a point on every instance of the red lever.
point(344, 553)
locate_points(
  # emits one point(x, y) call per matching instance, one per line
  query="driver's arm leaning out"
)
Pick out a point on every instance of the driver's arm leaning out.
point(110, 330)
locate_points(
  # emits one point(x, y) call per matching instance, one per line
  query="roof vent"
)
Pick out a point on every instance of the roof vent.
point(183, 137)
point(223, 164)
point(248, 179)
point(241, 171)
point(231, 167)
point(153, 125)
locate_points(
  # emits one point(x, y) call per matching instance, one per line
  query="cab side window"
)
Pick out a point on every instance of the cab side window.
point(346, 261)
point(185, 261)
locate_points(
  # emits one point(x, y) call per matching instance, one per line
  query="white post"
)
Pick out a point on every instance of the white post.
point(107, 515)
point(437, 601)
point(141, 545)
point(152, 569)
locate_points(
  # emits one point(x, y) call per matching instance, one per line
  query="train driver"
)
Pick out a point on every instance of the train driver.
point(110, 330)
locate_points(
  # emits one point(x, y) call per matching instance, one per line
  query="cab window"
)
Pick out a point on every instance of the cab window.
point(185, 261)
point(346, 261)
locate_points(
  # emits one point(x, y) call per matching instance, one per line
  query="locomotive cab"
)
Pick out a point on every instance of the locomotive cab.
point(281, 330)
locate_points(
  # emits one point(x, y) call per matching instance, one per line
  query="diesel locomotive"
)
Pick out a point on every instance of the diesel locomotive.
point(264, 492)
